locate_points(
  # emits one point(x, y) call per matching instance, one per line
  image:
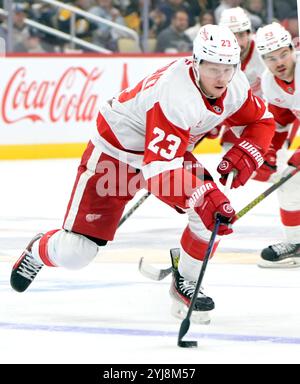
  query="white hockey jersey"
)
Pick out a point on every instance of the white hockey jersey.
point(286, 97)
point(253, 66)
point(152, 125)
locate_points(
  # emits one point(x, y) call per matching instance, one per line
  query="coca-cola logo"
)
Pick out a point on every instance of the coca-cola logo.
point(67, 98)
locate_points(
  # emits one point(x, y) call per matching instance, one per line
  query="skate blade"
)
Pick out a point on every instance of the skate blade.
point(291, 262)
point(179, 310)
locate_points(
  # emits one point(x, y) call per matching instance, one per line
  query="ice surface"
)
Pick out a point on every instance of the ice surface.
point(109, 313)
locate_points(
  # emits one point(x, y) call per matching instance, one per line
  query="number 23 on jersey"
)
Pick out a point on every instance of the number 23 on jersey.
point(162, 139)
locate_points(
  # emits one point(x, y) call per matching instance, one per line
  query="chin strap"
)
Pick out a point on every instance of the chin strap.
point(205, 94)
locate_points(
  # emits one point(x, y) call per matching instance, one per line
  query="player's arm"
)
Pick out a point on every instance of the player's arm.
point(167, 171)
point(284, 119)
point(247, 155)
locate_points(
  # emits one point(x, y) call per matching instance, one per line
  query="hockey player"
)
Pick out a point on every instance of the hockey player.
point(281, 89)
point(149, 130)
point(238, 21)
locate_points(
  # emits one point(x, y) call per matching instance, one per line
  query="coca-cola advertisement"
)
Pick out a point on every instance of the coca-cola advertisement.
point(56, 99)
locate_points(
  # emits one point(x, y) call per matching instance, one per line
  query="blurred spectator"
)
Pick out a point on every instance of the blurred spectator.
point(46, 14)
point(157, 22)
point(257, 13)
point(173, 39)
point(208, 4)
point(32, 44)
point(83, 26)
point(207, 17)
point(225, 4)
point(291, 24)
point(133, 14)
point(105, 35)
point(122, 5)
point(284, 8)
point(169, 7)
point(20, 29)
point(195, 9)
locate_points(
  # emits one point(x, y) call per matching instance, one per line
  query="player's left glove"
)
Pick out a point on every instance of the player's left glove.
point(269, 166)
point(295, 159)
point(244, 158)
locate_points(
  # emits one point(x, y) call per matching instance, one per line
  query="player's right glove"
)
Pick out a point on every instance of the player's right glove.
point(244, 158)
point(269, 166)
point(208, 201)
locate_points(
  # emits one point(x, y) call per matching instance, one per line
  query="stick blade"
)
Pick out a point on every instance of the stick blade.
point(185, 325)
point(153, 273)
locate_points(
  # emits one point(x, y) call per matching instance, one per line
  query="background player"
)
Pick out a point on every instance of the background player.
point(281, 88)
point(238, 21)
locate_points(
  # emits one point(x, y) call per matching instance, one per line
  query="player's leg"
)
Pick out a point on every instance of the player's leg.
point(94, 210)
point(286, 254)
point(186, 263)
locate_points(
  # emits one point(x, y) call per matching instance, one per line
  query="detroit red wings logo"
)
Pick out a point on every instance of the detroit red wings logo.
point(204, 34)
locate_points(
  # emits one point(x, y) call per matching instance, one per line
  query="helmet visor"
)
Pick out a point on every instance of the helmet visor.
point(215, 71)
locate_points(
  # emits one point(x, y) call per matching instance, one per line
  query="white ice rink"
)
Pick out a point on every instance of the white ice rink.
point(109, 313)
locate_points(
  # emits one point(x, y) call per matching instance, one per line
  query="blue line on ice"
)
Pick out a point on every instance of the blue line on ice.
point(146, 332)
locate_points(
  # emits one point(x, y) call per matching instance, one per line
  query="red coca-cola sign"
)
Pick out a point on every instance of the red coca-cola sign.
point(73, 96)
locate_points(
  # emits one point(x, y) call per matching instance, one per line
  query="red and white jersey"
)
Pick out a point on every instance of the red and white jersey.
point(253, 66)
point(152, 125)
point(283, 98)
point(284, 103)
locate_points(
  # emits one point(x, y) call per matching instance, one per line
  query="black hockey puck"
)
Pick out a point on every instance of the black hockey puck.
point(187, 344)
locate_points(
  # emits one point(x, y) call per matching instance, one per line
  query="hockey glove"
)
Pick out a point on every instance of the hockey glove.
point(208, 201)
point(244, 158)
point(295, 159)
point(269, 167)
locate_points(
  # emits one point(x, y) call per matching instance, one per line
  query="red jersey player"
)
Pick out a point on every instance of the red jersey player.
point(149, 131)
point(281, 89)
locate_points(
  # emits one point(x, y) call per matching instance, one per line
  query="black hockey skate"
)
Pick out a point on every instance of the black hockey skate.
point(282, 255)
point(182, 292)
point(25, 269)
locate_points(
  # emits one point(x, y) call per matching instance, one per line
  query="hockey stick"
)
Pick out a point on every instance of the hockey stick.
point(263, 195)
point(158, 274)
point(185, 325)
point(133, 208)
